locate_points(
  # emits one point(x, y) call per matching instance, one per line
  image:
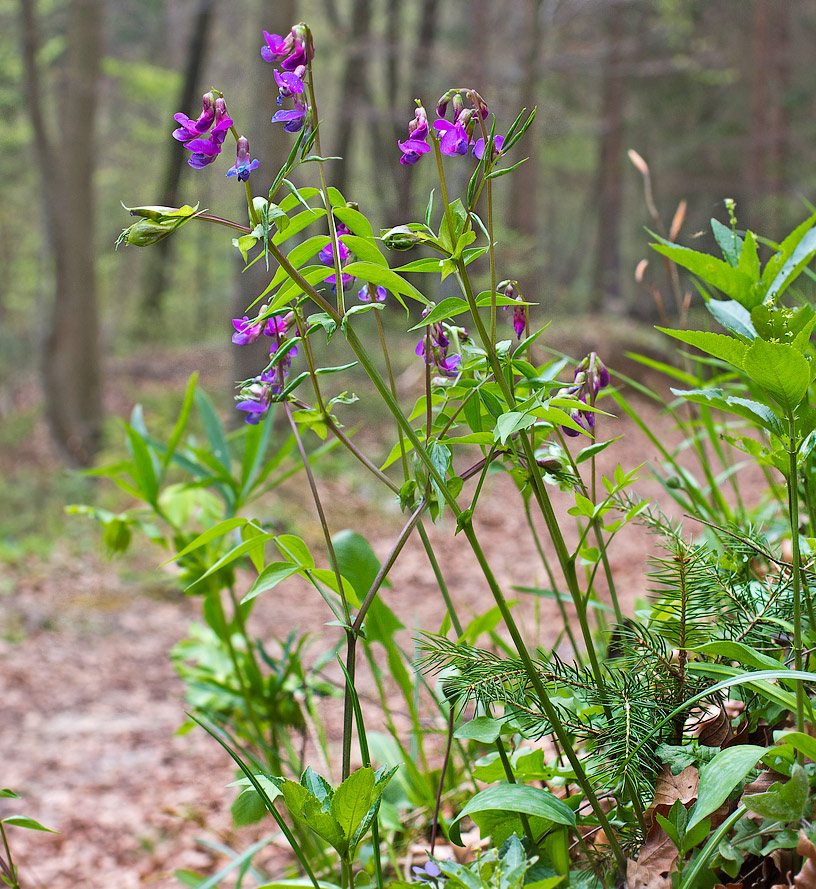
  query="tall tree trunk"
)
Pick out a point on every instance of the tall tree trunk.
point(71, 358)
point(606, 293)
point(157, 261)
point(353, 90)
point(523, 207)
point(768, 133)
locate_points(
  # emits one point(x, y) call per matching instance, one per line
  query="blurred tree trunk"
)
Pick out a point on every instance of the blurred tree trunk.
point(353, 91)
point(272, 147)
point(421, 67)
point(157, 262)
point(769, 130)
point(606, 294)
point(523, 208)
point(71, 357)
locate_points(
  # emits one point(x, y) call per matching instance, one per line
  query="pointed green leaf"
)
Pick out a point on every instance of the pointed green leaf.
point(732, 316)
point(779, 369)
point(352, 800)
point(720, 345)
point(25, 821)
point(729, 241)
point(520, 798)
point(796, 262)
point(721, 776)
point(270, 577)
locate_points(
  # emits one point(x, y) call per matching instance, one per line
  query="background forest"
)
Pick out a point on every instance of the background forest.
point(716, 95)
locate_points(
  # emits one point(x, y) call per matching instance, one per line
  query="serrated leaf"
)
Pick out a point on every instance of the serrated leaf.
point(352, 800)
point(732, 316)
point(719, 345)
point(780, 369)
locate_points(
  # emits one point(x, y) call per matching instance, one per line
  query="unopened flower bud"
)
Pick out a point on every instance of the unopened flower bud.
point(550, 464)
point(442, 103)
point(401, 238)
point(458, 106)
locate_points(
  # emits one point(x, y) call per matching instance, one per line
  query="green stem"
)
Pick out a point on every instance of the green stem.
point(511, 779)
point(443, 587)
point(15, 884)
point(793, 501)
point(253, 215)
point(543, 698)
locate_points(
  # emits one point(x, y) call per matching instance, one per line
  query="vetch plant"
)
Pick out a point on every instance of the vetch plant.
point(653, 729)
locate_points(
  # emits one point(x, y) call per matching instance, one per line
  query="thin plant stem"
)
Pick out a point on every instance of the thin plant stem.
point(511, 778)
point(546, 563)
point(440, 787)
point(9, 862)
point(443, 587)
point(793, 501)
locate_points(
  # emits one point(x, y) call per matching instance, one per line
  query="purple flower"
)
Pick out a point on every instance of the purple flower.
point(519, 320)
point(192, 129)
point(289, 83)
point(245, 331)
point(366, 295)
point(429, 873)
point(293, 120)
point(412, 150)
point(449, 365)
point(277, 47)
point(453, 139)
point(326, 255)
point(418, 127)
point(255, 398)
point(291, 50)
point(479, 147)
point(590, 376)
point(243, 165)
point(205, 151)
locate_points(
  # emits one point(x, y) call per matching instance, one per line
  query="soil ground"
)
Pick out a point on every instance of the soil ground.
point(90, 701)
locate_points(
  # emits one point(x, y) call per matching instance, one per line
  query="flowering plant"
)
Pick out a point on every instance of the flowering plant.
point(617, 714)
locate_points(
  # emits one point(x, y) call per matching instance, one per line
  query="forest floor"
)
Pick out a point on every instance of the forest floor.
point(90, 700)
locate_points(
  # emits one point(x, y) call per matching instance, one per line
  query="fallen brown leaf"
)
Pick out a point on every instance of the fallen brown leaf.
point(656, 860)
point(670, 788)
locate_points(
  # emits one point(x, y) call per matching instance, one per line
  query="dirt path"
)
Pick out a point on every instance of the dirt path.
point(90, 702)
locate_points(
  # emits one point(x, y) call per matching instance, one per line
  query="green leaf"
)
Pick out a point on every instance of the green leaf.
point(781, 370)
point(754, 411)
point(782, 802)
point(740, 652)
point(510, 422)
point(801, 256)
point(721, 776)
point(235, 553)
point(355, 220)
point(25, 821)
point(213, 533)
point(719, 345)
point(248, 808)
point(306, 807)
point(270, 577)
point(352, 800)
point(799, 741)
point(213, 429)
point(7, 793)
point(483, 729)
point(520, 798)
point(364, 249)
point(295, 548)
point(448, 308)
point(732, 281)
point(729, 241)
point(377, 274)
point(732, 316)
point(145, 472)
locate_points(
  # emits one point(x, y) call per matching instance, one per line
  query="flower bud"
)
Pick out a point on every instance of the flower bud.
point(458, 106)
point(401, 238)
point(442, 103)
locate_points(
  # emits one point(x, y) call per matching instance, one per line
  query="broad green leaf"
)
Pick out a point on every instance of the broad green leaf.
point(364, 250)
point(295, 548)
point(510, 422)
point(235, 553)
point(721, 776)
point(520, 798)
point(719, 345)
point(799, 741)
point(738, 651)
point(377, 274)
point(306, 807)
point(355, 220)
point(145, 471)
point(25, 821)
point(317, 785)
point(801, 256)
point(732, 281)
point(270, 577)
point(8, 793)
point(356, 559)
point(783, 801)
point(732, 316)
point(780, 370)
point(754, 411)
point(483, 729)
point(768, 690)
point(352, 800)
point(749, 258)
point(248, 808)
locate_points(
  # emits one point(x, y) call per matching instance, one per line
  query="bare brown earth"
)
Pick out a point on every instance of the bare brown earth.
point(90, 702)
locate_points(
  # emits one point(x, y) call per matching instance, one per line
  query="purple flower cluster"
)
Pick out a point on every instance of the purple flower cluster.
point(590, 377)
point(438, 340)
point(294, 52)
point(519, 311)
point(193, 132)
point(243, 165)
point(368, 292)
point(256, 395)
point(455, 137)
